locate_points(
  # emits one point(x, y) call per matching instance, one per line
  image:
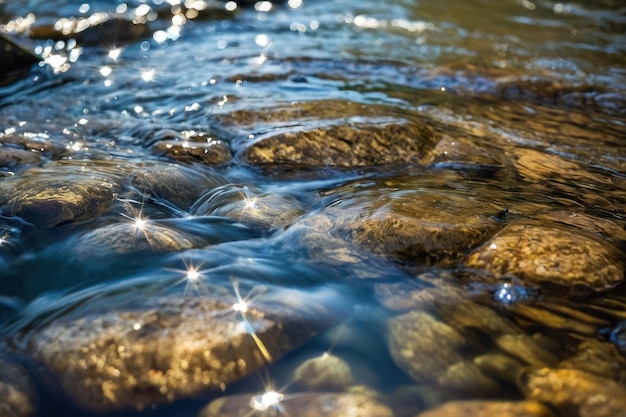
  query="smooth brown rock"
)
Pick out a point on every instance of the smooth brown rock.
point(350, 145)
point(301, 405)
point(430, 351)
point(575, 393)
point(599, 358)
point(131, 239)
point(209, 152)
point(247, 205)
point(49, 203)
point(150, 350)
point(419, 227)
point(489, 408)
point(17, 391)
point(324, 373)
point(552, 257)
point(179, 185)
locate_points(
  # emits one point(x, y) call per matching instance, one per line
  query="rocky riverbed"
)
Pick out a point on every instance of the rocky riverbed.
point(312, 208)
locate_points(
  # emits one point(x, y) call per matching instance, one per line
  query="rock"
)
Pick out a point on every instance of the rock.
point(301, 405)
point(147, 350)
point(602, 227)
point(17, 391)
point(599, 358)
point(14, 58)
point(418, 227)
point(208, 152)
point(324, 373)
point(546, 318)
point(430, 351)
point(247, 205)
point(16, 158)
point(555, 258)
point(347, 145)
point(134, 239)
point(175, 184)
point(489, 408)
point(47, 203)
point(499, 366)
point(464, 154)
point(526, 349)
point(575, 393)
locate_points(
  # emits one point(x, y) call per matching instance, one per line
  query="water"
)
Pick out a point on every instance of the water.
point(533, 92)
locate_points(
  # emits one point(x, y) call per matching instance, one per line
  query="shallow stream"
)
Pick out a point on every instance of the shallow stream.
point(430, 194)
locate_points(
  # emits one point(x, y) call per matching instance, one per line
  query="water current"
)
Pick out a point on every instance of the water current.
point(430, 193)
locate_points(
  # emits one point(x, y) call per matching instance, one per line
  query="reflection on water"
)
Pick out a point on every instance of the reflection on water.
point(415, 204)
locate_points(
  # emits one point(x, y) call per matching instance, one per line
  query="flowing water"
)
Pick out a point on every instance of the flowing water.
point(526, 101)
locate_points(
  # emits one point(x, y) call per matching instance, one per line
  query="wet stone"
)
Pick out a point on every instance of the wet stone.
point(465, 154)
point(575, 393)
point(179, 185)
point(349, 145)
point(302, 405)
point(419, 227)
point(489, 408)
point(208, 152)
point(16, 158)
point(555, 258)
point(324, 373)
point(131, 239)
point(49, 203)
point(430, 351)
point(248, 205)
point(500, 367)
point(17, 391)
point(599, 358)
point(150, 350)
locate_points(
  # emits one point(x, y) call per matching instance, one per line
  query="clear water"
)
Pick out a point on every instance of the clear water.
point(444, 61)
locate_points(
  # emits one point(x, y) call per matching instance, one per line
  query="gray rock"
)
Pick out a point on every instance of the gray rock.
point(15, 158)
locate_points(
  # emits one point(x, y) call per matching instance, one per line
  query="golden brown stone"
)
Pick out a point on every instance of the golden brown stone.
point(489, 408)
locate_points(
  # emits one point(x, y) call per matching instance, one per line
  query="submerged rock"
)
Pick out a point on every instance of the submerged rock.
point(176, 184)
point(324, 373)
point(152, 350)
point(489, 408)
point(430, 351)
point(17, 391)
point(350, 145)
point(553, 257)
point(49, 203)
point(418, 227)
point(302, 405)
point(208, 152)
point(575, 393)
point(139, 238)
point(15, 158)
point(245, 204)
